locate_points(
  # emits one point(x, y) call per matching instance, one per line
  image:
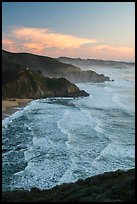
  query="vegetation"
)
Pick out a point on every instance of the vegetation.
point(116, 186)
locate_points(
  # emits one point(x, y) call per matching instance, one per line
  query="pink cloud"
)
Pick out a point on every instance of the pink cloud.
point(54, 44)
point(115, 52)
point(47, 38)
point(7, 42)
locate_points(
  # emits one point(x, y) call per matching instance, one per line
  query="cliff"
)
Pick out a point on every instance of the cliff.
point(49, 67)
point(87, 76)
point(31, 84)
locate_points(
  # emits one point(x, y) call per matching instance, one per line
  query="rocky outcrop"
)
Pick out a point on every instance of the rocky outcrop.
point(31, 84)
point(87, 76)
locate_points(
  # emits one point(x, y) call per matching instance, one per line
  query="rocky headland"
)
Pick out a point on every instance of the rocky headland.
point(32, 85)
point(49, 67)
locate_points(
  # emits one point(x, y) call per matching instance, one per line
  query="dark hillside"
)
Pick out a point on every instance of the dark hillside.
point(49, 67)
point(110, 187)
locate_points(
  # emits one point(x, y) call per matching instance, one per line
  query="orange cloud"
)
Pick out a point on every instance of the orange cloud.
point(54, 44)
point(47, 38)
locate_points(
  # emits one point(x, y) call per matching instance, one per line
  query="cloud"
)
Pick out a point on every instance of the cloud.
point(7, 42)
point(47, 38)
point(48, 42)
point(115, 52)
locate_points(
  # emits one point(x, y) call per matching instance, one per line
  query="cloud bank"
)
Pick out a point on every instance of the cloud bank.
point(50, 43)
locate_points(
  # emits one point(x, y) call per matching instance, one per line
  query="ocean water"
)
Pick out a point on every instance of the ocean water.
point(61, 140)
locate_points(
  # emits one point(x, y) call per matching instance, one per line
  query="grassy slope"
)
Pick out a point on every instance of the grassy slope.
point(116, 186)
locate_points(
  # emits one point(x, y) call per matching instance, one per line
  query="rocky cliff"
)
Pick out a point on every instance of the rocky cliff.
point(31, 84)
point(49, 67)
point(87, 76)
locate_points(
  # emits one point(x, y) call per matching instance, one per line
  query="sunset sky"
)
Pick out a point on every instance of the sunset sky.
point(102, 30)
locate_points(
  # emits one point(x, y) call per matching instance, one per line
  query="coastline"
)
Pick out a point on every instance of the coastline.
point(10, 106)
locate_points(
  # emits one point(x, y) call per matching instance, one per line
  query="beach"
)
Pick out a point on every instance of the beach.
point(10, 106)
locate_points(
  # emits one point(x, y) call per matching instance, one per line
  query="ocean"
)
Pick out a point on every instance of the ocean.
point(61, 140)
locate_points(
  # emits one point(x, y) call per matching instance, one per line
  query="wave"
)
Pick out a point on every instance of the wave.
point(9, 119)
point(115, 156)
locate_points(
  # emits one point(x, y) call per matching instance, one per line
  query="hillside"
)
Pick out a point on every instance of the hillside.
point(91, 63)
point(31, 84)
point(118, 186)
point(49, 67)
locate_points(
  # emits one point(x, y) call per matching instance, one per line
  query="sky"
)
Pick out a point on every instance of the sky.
point(101, 30)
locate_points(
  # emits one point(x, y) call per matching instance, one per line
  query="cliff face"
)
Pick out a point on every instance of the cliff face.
point(49, 67)
point(31, 84)
point(87, 76)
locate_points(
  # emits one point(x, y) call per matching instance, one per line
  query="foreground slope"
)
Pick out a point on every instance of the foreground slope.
point(116, 186)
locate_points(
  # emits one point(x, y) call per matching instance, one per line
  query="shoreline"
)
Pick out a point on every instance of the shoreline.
point(10, 106)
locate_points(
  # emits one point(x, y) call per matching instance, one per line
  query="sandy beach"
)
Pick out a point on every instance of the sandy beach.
point(10, 106)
